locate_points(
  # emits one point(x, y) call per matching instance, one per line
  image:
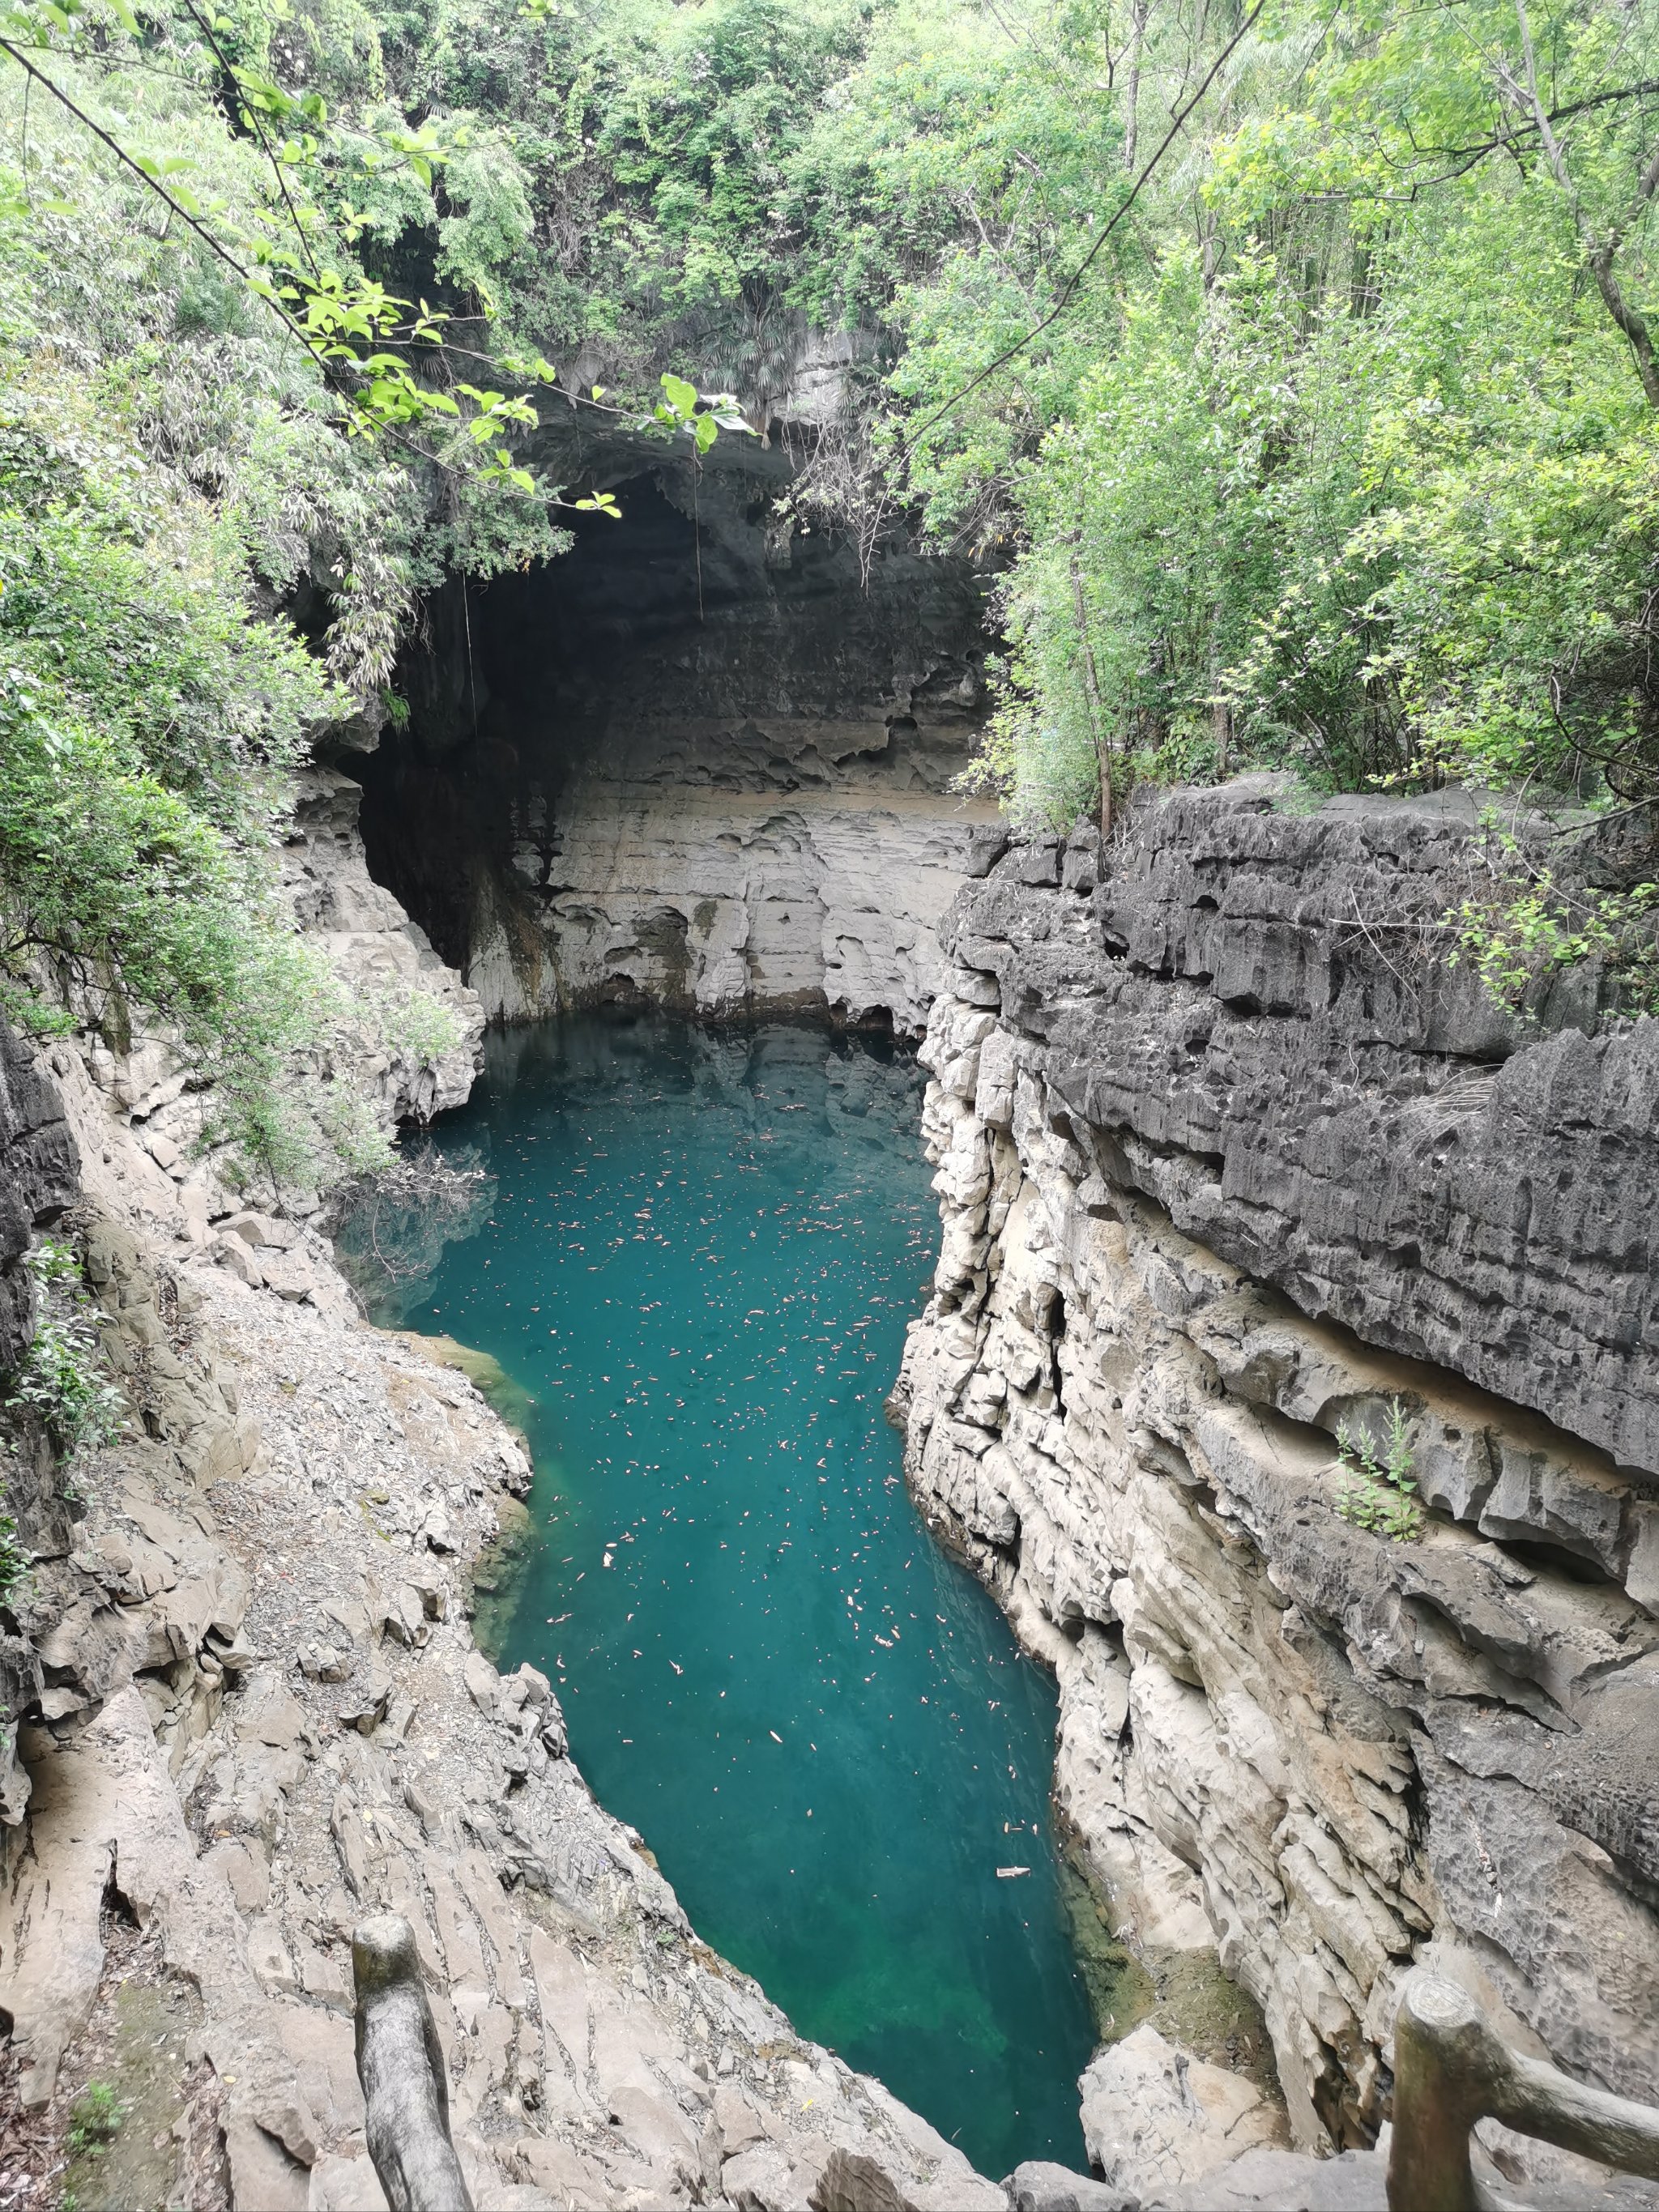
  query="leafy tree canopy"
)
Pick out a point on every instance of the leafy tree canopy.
point(1292, 368)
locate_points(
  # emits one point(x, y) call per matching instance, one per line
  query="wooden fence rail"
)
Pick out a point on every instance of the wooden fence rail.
point(400, 2064)
point(1452, 2068)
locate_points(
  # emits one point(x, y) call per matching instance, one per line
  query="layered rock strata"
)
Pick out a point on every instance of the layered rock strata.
point(701, 760)
point(1230, 1162)
point(725, 903)
point(263, 1717)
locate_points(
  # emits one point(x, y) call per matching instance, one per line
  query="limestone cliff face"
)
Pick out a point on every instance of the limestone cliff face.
point(701, 760)
point(1227, 1159)
point(384, 959)
point(38, 1178)
point(722, 902)
point(255, 1713)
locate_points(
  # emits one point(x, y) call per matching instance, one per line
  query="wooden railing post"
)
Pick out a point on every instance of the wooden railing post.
point(1452, 2068)
point(400, 2064)
point(1439, 2047)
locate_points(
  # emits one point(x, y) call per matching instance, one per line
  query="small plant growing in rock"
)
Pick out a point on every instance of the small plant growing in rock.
point(15, 1562)
point(95, 2120)
point(1524, 924)
point(1379, 1491)
point(413, 1025)
point(57, 1380)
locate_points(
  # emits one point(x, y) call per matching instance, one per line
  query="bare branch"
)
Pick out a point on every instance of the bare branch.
point(1599, 251)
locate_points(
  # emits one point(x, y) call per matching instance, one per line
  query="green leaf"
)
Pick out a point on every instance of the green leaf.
point(681, 396)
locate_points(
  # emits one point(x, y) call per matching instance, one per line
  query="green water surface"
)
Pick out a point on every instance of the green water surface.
point(695, 1255)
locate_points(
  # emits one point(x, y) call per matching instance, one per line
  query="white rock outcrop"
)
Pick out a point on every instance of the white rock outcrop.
point(394, 978)
point(1154, 2117)
point(731, 902)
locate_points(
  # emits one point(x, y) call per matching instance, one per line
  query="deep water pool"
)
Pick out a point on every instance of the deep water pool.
point(695, 1255)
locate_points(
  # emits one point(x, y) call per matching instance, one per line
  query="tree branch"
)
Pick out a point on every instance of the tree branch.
point(154, 184)
point(1599, 253)
point(1089, 259)
point(233, 80)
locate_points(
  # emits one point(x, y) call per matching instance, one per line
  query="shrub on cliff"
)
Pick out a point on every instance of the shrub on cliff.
point(199, 571)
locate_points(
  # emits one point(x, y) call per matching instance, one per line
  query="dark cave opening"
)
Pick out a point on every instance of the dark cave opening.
point(507, 691)
point(705, 641)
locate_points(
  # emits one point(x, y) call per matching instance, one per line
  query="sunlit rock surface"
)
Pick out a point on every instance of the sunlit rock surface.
point(384, 961)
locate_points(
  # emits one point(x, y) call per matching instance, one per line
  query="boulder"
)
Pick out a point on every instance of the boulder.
point(1039, 2185)
point(1153, 2116)
point(1283, 2181)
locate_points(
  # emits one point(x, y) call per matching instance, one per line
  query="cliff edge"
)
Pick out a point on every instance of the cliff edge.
point(1231, 1164)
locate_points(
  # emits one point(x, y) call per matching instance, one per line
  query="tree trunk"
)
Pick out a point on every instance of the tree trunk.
point(1091, 693)
point(1132, 81)
point(1599, 251)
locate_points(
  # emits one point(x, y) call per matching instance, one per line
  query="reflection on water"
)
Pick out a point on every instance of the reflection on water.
point(698, 1263)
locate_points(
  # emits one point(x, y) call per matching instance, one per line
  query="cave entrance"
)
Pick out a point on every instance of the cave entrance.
point(509, 689)
point(600, 739)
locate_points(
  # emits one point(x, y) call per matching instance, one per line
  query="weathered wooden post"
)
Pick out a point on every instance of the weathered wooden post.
point(1439, 2044)
point(400, 2064)
point(1452, 2068)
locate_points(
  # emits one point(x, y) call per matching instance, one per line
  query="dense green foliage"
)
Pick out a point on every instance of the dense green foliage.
point(1290, 367)
point(169, 461)
point(232, 456)
point(1336, 457)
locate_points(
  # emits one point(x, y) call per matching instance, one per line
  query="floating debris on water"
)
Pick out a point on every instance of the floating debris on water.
point(752, 1523)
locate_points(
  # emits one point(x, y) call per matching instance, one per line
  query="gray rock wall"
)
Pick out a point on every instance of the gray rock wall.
point(40, 1179)
point(40, 1176)
point(1258, 1016)
point(693, 895)
point(701, 761)
point(1228, 1159)
point(384, 960)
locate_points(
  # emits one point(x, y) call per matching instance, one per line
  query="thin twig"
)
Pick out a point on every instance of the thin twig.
point(1583, 829)
point(253, 117)
point(154, 184)
point(1093, 254)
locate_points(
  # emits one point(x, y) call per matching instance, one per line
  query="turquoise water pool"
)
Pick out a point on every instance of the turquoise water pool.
point(699, 1256)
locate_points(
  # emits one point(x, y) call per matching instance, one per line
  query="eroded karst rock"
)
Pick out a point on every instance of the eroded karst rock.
point(1228, 1161)
point(1154, 2115)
